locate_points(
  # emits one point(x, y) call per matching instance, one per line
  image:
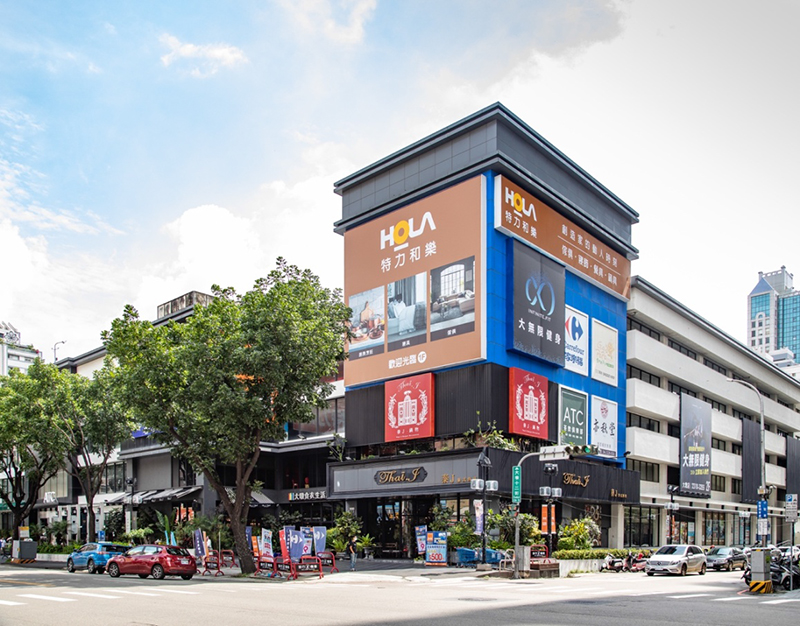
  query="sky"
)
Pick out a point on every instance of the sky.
point(149, 148)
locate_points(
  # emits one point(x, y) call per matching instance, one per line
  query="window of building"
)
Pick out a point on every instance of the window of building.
point(641, 527)
point(736, 448)
point(716, 405)
point(639, 421)
point(782, 403)
point(741, 531)
point(647, 471)
point(674, 430)
point(643, 328)
point(714, 528)
point(113, 479)
point(736, 486)
point(682, 349)
point(715, 366)
point(635, 372)
point(678, 389)
point(741, 415)
point(718, 483)
point(719, 444)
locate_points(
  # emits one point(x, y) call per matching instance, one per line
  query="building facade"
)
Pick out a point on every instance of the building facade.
point(13, 355)
point(774, 316)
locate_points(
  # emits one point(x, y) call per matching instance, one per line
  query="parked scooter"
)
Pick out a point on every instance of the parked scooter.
point(612, 564)
point(634, 563)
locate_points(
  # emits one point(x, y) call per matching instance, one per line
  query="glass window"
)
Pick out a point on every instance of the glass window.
point(718, 483)
point(682, 349)
point(643, 328)
point(641, 526)
point(647, 471)
point(714, 528)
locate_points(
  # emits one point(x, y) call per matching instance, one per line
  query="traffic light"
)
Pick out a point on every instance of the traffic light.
point(583, 450)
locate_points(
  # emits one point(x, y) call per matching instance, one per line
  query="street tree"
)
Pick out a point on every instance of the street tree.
point(32, 448)
point(232, 376)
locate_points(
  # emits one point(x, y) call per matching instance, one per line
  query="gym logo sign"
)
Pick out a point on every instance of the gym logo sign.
point(398, 235)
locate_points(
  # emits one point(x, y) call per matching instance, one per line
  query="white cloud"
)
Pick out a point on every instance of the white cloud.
point(340, 22)
point(204, 60)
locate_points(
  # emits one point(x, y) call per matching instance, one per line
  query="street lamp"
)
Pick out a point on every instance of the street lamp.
point(672, 507)
point(762, 490)
point(550, 470)
point(55, 350)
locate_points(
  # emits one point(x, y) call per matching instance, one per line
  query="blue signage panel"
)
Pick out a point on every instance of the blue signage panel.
point(763, 511)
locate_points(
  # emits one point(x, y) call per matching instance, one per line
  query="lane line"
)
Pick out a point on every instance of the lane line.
point(10, 603)
point(92, 595)
point(36, 596)
point(780, 601)
point(729, 599)
point(136, 593)
point(607, 591)
point(691, 595)
point(190, 593)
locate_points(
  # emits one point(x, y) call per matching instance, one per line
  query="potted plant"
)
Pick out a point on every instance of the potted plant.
point(367, 543)
point(339, 547)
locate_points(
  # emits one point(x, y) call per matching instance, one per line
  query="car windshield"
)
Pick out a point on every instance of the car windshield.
point(672, 550)
point(719, 551)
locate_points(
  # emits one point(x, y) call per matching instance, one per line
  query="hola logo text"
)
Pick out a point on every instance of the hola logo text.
point(520, 204)
point(398, 235)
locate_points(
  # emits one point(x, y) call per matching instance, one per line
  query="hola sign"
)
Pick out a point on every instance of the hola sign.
point(399, 234)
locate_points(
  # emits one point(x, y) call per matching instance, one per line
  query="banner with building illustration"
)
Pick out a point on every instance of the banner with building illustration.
point(695, 472)
point(527, 404)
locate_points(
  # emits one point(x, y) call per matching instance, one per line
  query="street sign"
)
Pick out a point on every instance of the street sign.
point(516, 484)
point(763, 512)
point(791, 507)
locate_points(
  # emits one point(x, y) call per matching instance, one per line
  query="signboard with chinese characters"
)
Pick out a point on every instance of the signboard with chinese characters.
point(605, 353)
point(307, 494)
point(522, 216)
point(538, 305)
point(414, 282)
point(695, 447)
point(572, 405)
point(527, 400)
point(576, 341)
point(604, 426)
point(409, 408)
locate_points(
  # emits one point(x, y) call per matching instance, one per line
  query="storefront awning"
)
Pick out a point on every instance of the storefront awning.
point(154, 495)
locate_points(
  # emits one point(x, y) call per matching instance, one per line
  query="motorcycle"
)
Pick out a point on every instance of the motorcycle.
point(634, 563)
point(612, 564)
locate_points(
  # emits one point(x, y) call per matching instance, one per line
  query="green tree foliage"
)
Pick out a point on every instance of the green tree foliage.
point(231, 376)
point(578, 534)
point(114, 524)
point(440, 516)
point(504, 522)
point(32, 447)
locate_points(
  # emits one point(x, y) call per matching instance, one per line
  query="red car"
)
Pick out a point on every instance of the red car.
point(155, 560)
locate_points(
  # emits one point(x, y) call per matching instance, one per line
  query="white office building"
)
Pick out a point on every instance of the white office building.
point(13, 355)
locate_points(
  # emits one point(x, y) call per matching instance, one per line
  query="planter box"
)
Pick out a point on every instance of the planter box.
point(579, 565)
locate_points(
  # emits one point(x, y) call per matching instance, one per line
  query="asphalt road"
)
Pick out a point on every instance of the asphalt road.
point(32, 596)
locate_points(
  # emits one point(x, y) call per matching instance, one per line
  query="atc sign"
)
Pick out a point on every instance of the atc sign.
point(527, 404)
point(409, 408)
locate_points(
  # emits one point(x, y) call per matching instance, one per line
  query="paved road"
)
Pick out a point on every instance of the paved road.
point(391, 597)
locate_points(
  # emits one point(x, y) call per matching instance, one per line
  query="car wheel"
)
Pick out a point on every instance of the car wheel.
point(90, 567)
point(143, 575)
point(186, 576)
point(70, 566)
point(683, 569)
point(158, 572)
point(113, 570)
point(703, 569)
point(650, 573)
point(729, 567)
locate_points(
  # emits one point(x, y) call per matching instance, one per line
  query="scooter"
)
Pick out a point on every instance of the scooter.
point(634, 563)
point(612, 564)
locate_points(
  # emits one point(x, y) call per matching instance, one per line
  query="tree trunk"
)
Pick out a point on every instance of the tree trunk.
point(242, 547)
point(90, 525)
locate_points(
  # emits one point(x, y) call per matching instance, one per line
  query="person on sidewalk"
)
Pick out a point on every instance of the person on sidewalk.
point(352, 550)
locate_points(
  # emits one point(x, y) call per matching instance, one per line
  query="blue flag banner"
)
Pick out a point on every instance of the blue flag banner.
point(199, 544)
point(296, 544)
point(320, 539)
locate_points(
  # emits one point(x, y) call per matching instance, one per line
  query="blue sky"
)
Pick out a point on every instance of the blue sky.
point(152, 148)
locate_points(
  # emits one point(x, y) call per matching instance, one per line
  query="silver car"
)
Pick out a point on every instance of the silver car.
point(677, 559)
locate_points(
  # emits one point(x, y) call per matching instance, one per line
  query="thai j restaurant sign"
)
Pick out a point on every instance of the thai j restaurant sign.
point(695, 447)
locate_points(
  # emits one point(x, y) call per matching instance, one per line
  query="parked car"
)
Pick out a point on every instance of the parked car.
point(153, 560)
point(94, 557)
point(677, 559)
point(723, 557)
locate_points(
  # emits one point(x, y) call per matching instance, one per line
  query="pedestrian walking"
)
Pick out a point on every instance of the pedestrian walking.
point(352, 550)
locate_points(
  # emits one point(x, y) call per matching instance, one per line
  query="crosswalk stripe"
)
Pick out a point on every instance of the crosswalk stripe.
point(135, 593)
point(190, 593)
point(92, 595)
point(691, 595)
point(780, 601)
point(576, 590)
point(614, 591)
point(10, 603)
point(729, 599)
point(36, 596)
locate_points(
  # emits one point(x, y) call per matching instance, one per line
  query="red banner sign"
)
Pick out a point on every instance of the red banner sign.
point(409, 408)
point(527, 401)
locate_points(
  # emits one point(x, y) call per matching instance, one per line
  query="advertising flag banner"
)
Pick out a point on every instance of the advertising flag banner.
point(605, 353)
point(576, 341)
point(604, 426)
point(527, 404)
point(695, 472)
point(308, 539)
point(248, 532)
point(254, 546)
point(284, 538)
point(479, 517)
point(320, 539)
point(199, 544)
point(414, 280)
point(266, 542)
point(422, 536)
point(409, 408)
point(572, 407)
point(436, 548)
point(545, 526)
point(296, 544)
point(538, 305)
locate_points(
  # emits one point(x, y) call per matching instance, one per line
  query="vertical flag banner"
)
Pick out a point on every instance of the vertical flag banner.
point(308, 539)
point(320, 539)
point(695, 447)
point(422, 537)
point(479, 517)
point(296, 544)
point(284, 540)
point(266, 542)
point(199, 544)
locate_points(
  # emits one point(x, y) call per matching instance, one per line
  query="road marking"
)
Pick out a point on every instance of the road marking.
point(615, 591)
point(36, 596)
point(780, 601)
point(92, 595)
point(191, 593)
point(650, 593)
point(729, 599)
point(9, 603)
point(136, 593)
point(691, 595)
point(577, 590)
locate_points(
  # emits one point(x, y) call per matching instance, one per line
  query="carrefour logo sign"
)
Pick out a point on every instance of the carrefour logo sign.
point(398, 236)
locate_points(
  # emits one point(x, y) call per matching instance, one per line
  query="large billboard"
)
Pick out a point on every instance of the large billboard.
point(605, 353)
point(576, 341)
point(409, 407)
point(538, 324)
point(604, 426)
point(414, 280)
point(695, 447)
point(528, 406)
point(519, 214)
point(572, 408)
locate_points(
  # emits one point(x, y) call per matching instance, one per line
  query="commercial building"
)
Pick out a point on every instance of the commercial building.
point(13, 355)
point(773, 308)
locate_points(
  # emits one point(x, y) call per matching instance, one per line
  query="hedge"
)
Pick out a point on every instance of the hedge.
point(597, 553)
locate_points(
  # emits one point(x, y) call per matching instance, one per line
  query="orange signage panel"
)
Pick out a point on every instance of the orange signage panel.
point(522, 216)
point(414, 281)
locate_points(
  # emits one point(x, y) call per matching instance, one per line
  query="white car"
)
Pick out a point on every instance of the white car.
point(677, 559)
